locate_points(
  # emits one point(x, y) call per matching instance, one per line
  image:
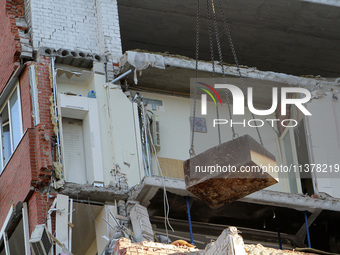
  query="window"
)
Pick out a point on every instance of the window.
point(290, 159)
point(11, 126)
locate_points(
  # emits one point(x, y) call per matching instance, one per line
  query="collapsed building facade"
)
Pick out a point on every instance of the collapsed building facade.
point(94, 133)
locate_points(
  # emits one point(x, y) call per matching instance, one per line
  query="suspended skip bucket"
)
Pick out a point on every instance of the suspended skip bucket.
point(230, 171)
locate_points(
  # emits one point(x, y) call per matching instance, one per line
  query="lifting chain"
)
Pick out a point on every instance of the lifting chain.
point(192, 151)
point(226, 26)
point(211, 43)
point(221, 62)
point(213, 11)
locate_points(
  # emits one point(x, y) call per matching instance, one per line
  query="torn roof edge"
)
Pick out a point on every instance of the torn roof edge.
point(141, 60)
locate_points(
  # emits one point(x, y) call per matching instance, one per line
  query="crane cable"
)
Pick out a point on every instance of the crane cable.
point(226, 26)
point(213, 65)
point(192, 151)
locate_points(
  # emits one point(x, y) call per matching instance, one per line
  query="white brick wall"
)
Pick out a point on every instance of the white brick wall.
point(87, 25)
point(108, 28)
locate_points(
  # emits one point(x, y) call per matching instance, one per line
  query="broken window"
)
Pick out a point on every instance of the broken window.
point(11, 126)
point(14, 233)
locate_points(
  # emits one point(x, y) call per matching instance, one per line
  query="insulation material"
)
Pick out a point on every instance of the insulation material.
point(141, 61)
point(171, 167)
point(58, 169)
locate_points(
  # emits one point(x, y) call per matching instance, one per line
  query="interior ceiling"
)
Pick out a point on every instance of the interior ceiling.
point(288, 36)
point(174, 80)
point(255, 217)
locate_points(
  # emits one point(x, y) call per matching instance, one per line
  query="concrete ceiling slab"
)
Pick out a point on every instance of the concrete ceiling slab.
point(171, 74)
point(290, 36)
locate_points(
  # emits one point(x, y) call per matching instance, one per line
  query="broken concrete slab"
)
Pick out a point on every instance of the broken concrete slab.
point(228, 243)
point(148, 71)
point(141, 224)
point(92, 193)
point(142, 60)
point(217, 176)
point(149, 186)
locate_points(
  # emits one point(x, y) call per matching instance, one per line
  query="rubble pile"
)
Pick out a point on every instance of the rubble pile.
point(124, 246)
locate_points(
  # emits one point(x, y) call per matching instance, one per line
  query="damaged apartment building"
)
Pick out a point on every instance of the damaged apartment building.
point(96, 120)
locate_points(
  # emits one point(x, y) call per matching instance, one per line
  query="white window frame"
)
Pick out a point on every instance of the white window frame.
point(6, 102)
point(290, 132)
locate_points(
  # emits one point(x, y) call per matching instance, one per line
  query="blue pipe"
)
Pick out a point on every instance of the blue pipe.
point(189, 219)
point(307, 229)
point(279, 237)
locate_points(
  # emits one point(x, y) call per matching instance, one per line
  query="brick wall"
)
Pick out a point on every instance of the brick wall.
point(108, 28)
point(29, 168)
point(9, 38)
point(90, 26)
point(25, 173)
point(15, 180)
point(26, 102)
point(37, 209)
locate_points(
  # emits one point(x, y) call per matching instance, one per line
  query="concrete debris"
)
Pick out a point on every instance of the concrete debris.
point(261, 250)
point(58, 184)
point(120, 179)
point(229, 242)
point(141, 224)
point(89, 192)
point(122, 208)
point(162, 239)
point(123, 212)
point(25, 39)
point(130, 204)
point(124, 246)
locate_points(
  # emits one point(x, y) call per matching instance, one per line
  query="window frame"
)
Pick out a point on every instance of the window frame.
point(15, 89)
point(289, 132)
